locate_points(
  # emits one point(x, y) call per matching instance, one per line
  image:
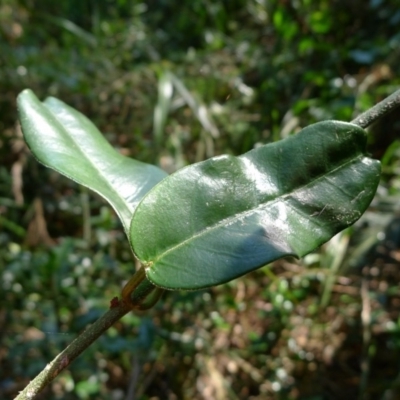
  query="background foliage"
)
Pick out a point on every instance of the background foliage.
point(173, 83)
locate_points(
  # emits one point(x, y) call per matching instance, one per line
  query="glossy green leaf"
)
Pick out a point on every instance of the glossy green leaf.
point(65, 140)
point(219, 219)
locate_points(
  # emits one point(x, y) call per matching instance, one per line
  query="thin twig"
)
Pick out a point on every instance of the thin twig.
point(378, 111)
point(366, 324)
point(81, 343)
point(134, 378)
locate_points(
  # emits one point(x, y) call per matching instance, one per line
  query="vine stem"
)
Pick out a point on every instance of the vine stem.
point(378, 111)
point(117, 310)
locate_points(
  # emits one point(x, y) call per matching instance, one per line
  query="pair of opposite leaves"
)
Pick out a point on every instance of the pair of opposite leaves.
point(216, 220)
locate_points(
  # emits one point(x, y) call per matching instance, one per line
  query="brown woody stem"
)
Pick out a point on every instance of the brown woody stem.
point(81, 343)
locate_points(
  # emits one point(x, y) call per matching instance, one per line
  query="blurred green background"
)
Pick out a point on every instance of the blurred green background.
point(172, 83)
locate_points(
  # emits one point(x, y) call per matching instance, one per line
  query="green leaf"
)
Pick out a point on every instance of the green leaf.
point(65, 140)
point(219, 219)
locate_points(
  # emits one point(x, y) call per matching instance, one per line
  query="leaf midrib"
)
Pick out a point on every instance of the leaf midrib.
point(225, 221)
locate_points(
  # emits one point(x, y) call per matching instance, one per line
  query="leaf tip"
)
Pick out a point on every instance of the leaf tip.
point(25, 93)
point(25, 99)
